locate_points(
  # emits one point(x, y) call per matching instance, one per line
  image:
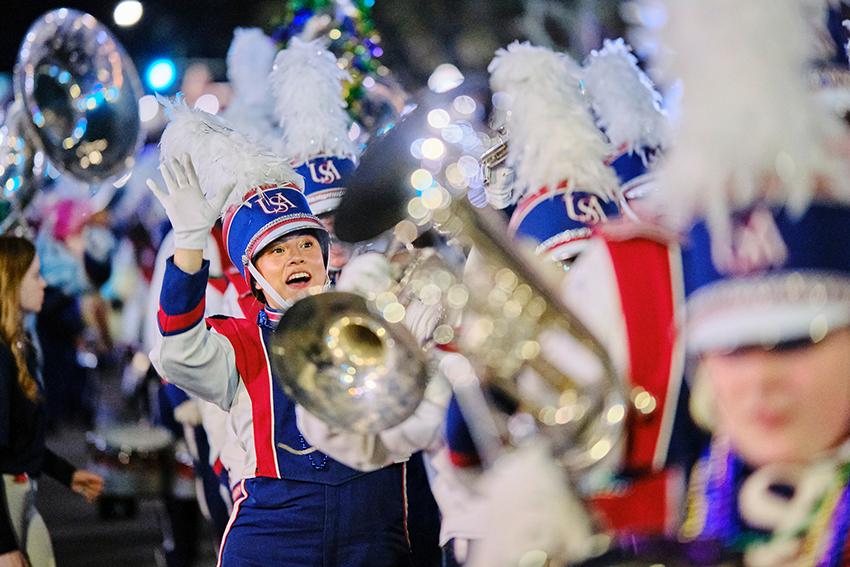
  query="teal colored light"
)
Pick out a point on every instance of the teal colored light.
point(161, 74)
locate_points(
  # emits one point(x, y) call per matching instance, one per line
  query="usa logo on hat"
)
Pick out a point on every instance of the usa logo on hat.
point(560, 220)
point(325, 178)
point(266, 213)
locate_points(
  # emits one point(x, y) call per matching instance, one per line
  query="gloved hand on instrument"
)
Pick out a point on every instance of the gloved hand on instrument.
point(367, 274)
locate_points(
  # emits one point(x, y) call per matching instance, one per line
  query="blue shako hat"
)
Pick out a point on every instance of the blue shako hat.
point(266, 213)
point(562, 184)
point(759, 192)
point(785, 277)
point(309, 105)
point(560, 220)
point(325, 180)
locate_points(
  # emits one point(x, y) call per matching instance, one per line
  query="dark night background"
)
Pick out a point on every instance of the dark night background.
point(417, 35)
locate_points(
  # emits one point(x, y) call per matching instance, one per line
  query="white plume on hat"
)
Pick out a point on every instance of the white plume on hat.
point(553, 136)
point(307, 86)
point(223, 157)
point(249, 61)
point(626, 103)
point(748, 115)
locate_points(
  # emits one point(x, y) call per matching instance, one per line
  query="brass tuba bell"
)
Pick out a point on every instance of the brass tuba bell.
point(347, 366)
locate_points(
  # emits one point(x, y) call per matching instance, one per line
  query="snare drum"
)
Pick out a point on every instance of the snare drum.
point(134, 460)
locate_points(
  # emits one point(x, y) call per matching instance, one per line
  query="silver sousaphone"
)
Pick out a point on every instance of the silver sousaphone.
point(77, 91)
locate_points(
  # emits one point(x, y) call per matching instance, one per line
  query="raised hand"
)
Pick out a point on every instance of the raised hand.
point(192, 215)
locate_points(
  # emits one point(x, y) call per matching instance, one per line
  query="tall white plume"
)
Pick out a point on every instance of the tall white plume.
point(626, 103)
point(223, 157)
point(750, 127)
point(307, 87)
point(249, 61)
point(552, 133)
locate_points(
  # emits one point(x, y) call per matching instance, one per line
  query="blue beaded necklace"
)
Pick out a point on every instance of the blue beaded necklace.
point(320, 466)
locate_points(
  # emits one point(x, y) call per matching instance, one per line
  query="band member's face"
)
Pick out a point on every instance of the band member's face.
point(787, 404)
point(340, 252)
point(292, 265)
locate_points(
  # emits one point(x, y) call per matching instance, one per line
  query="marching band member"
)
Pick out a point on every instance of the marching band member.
point(309, 106)
point(763, 195)
point(307, 86)
point(562, 187)
point(632, 272)
point(295, 505)
point(645, 488)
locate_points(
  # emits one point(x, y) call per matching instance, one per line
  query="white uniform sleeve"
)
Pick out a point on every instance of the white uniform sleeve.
point(200, 361)
point(186, 353)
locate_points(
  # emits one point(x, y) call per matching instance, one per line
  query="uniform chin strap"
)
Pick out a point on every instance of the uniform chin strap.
point(271, 293)
point(267, 288)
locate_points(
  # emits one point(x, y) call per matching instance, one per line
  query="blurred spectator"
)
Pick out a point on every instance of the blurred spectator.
point(23, 455)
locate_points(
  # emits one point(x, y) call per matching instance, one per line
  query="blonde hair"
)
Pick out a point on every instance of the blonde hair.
point(16, 256)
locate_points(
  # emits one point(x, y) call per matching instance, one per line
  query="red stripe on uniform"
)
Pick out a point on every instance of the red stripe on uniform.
point(246, 338)
point(174, 323)
point(463, 460)
point(642, 267)
point(219, 284)
point(258, 383)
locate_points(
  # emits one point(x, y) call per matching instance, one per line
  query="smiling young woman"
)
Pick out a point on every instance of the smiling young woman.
point(293, 503)
point(293, 265)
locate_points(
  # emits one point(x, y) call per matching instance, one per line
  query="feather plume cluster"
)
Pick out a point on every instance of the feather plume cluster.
point(224, 158)
point(307, 86)
point(553, 136)
point(249, 62)
point(748, 117)
point(626, 104)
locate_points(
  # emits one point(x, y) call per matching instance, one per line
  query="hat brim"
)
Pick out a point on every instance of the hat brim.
point(282, 227)
point(767, 309)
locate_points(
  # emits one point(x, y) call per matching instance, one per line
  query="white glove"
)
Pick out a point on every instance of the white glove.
point(367, 274)
point(370, 274)
point(188, 413)
point(531, 512)
point(421, 319)
point(192, 216)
